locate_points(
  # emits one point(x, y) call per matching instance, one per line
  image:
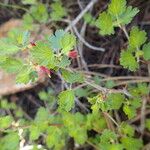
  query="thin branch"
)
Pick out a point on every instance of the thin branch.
point(143, 109)
point(76, 20)
point(85, 42)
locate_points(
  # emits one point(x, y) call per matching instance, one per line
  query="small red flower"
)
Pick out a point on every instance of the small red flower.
point(43, 69)
point(73, 54)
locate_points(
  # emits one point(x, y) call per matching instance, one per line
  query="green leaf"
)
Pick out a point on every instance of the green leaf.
point(54, 138)
point(105, 24)
point(127, 129)
point(129, 142)
point(107, 137)
point(129, 111)
point(27, 22)
point(117, 7)
point(43, 55)
point(34, 132)
point(128, 15)
point(58, 11)
point(24, 75)
point(66, 100)
point(5, 122)
point(72, 77)
point(137, 37)
point(127, 60)
point(115, 101)
point(135, 103)
point(10, 141)
point(64, 62)
point(41, 116)
point(19, 37)
point(39, 13)
point(11, 65)
point(139, 90)
point(75, 125)
point(96, 121)
point(67, 42)
point(55, 39)
point(88, 18)
point(7, 47)
point(146, 50)
point(79, 138)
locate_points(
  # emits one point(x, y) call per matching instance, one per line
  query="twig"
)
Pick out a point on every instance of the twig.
point(143, 109)
point(132, 81)
point(112, 119)
point(76, 20)
point(104, 66)
point(108, 91)
point(125, 32)
point(85, 42)
point(125, 78)
point(80, 47)
point(94, 146)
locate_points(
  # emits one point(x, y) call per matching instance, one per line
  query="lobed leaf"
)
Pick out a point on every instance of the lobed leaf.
point(66, 100)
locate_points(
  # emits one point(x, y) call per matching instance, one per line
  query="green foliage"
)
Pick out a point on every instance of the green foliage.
point(58, 11)
point(128, 15)
point(75, 125)
point(5, 121)
point(39, 13)
point(112, 102)
point(55, 39)
point(127, 60)
point(137, 38)
point(10, 141)
point(117, 15)
point(72, 77)
point(7, 47)
point(105, 24)
point(67, 42)
point(131, 106)
point(146, 51)
point(88, 18)
point(117, 7)
point(43, 55)
point(115, 101)
point(34, 132)
point(62, 41)
point(24, 75)
point(11, 65)
point(127, 129)
point(129, 142)
point(66, 100)
point(55, 138)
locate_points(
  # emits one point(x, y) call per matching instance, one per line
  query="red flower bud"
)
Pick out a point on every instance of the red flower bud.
point(43, 69)
point(73, 54)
